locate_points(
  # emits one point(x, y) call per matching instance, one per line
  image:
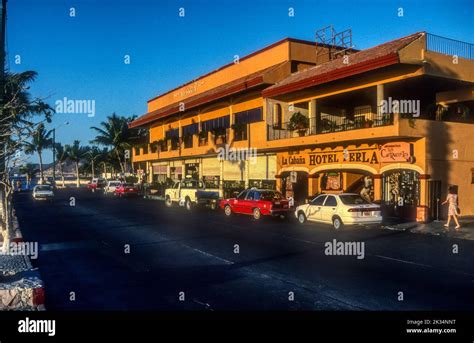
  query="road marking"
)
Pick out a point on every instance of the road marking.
point(207, 254)
point(403, 261)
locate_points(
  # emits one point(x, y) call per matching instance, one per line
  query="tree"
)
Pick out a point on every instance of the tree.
point(115, 134)
point(40, 140)
point(17, 113)
point(30, 171)
point(95, 155)
point(76, 153)
point(61, 158)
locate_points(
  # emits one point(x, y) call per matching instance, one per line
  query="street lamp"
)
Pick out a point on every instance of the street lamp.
point(54, 147)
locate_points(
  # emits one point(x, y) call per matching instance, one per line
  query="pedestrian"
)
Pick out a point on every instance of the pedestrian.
point(453, 209)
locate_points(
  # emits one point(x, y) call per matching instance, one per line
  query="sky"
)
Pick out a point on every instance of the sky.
point(83, 57)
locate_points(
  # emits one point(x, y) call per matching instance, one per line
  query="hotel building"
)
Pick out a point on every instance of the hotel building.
point(395, 120)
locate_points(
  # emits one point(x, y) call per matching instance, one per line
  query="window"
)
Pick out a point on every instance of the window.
point(241, 121)
point(188, 132)
point(242, 195)
point(472, 176)
point(319, 200)
point(353, 199)
point(137, 151)
point(330, 201)
point(153, 148)
point(217, 123)
point(173, 136)
point(252, 195)
point(145, 149)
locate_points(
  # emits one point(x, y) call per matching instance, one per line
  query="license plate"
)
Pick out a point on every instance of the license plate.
point(367, 214)
point(277, 203)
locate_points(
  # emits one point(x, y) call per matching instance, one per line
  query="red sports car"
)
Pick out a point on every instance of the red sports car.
point(256, 202)
point(126, 189)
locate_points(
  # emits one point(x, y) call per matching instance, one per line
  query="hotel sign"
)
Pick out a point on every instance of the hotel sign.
point(368, 156)
point(189, 90)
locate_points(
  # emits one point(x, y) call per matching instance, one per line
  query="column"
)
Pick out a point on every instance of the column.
point(312, 116)
point(380, 98)
point(231, 122)
point(377, 187)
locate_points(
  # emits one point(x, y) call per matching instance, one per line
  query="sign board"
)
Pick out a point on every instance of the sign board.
point(396, 152)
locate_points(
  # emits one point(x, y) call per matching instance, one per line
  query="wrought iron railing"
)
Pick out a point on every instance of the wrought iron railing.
point(328, 123)
point(448, 46)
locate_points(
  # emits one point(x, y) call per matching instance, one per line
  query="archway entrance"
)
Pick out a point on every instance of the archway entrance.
point(295, 184)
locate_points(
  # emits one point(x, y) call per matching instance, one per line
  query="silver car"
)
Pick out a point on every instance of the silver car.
point(43, 192)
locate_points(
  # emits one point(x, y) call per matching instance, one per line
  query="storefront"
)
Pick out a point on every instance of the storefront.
point(388, 173)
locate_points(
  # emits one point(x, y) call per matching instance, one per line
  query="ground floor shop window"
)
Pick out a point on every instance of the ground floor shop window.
point(211, 182)
point(401, 192)
point(191, 170)
point(331, 181)
point(176, 173)
point(262, 184)
point(232, 188)
point(295, 185)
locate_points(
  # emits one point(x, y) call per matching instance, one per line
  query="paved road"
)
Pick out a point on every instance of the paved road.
point(83, 250)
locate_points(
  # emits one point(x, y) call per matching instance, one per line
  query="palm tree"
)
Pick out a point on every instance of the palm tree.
point(115, 134)
point(61, 158)
point(76, 152)
point(40, 140)
point(30, 171)
point(95, 155)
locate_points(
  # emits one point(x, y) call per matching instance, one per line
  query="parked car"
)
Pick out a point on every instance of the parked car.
point(43, 192)
point(126, 190)
point(111, 186)
point(339, 210)
point(96, 184)
point(256, 202)
point(191, 192)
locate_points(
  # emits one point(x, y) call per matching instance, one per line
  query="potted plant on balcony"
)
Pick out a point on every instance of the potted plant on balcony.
point(298, 122)
point(219, 135)
point(368, 123)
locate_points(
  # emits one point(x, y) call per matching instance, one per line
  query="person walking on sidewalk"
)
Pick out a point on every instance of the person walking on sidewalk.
point(453, 210)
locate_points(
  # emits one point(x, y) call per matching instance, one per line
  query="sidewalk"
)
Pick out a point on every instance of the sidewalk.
point(437, 228)
point(21, 287)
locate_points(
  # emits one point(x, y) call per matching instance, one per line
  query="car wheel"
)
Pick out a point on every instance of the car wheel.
point(188, 204)
point(227, 210)
point(301, 217)
point(168, 201)
point(256, 213)
point(337, 223)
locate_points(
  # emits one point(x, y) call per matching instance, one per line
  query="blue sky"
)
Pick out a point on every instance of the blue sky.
point(82, 57)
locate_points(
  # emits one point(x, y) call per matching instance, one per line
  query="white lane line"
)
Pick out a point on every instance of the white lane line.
point(403, 261)
point(207, 254)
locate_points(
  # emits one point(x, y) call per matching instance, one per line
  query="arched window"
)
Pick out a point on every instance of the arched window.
point(277, 116)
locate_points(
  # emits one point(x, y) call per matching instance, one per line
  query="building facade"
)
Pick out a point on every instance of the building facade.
point(391, 122)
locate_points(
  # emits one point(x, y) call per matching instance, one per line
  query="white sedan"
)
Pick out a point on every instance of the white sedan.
point(43, 192)
point(111, 186)
point(339, 210)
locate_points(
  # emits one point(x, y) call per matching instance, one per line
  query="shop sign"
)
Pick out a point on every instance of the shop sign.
point(396, 152)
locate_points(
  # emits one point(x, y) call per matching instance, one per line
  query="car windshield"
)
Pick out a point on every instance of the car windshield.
point(128, 184)
point(353, 199)
point(269, 195)
point(43, 188)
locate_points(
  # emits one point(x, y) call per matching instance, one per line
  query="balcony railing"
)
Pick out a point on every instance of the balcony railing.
point(448, 46)
point(331, 123)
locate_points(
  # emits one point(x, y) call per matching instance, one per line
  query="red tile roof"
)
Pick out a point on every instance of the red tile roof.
point(379, 56)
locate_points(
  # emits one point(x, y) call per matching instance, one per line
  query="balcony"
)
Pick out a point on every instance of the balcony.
point(329, 123)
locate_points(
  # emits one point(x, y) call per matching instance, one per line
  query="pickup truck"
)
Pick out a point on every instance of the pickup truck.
point(190, 193)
